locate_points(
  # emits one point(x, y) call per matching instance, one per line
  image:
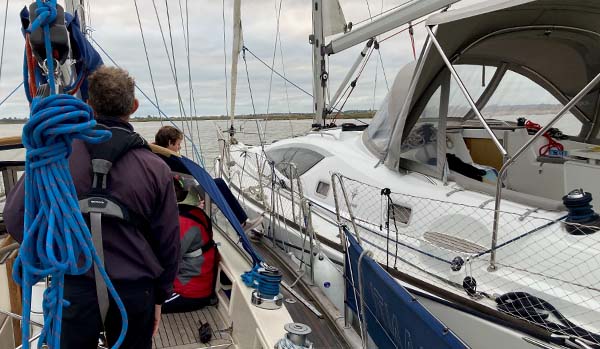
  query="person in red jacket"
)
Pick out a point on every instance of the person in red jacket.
point(194, 286)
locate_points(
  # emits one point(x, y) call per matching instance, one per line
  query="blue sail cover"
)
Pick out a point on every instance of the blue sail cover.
point(185, 165)
point(87, 58)
point(394, 319)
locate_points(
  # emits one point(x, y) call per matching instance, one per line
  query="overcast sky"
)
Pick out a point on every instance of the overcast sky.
point(115, 28)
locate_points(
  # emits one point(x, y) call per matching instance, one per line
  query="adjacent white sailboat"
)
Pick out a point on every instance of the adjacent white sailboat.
point(480, 214)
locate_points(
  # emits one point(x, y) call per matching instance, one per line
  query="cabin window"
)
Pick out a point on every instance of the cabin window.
point(421, 143)
point(444, 99)
point(303, 159)
point(323, 188)
point(476, 79)
point(399, 214)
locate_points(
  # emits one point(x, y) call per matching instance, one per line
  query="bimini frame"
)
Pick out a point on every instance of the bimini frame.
point(508, 160)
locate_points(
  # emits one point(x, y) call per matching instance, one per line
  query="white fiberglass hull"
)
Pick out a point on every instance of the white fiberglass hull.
point(522, 265)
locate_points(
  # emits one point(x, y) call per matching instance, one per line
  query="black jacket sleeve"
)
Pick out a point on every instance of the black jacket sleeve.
point(164, 225)
point(14, 210)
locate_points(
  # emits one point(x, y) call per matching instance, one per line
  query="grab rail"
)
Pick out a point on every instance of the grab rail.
point(508, 160)
point(464, 90)
point(511, 160)
point(337, 207)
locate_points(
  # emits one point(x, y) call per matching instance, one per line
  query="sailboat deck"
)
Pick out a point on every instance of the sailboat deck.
point(180, 331)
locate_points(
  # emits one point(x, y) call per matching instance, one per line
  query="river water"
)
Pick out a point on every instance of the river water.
point(203, 133)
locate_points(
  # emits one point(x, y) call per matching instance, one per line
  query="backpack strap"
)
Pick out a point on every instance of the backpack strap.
point(202, 250)
point(198, 216)
point(99, 203)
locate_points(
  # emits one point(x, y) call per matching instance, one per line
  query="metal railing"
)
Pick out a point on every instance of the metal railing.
point(508, 160)
point(339, 178)
point(283, 199)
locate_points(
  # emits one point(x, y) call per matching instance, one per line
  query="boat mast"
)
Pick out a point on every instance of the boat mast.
point(73, 7)
point(235, 53)
point(317, 40)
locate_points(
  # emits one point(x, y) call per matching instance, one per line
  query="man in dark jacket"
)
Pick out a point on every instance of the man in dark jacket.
point(141, 262)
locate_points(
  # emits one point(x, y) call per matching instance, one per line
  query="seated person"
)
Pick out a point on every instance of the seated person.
point(194, 286)
point(170, 137)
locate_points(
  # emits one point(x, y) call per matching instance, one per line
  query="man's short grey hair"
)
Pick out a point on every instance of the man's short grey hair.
point(111, 92)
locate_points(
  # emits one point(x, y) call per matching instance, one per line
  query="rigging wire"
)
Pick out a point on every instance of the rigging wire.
point(164, 40)
point(401, 31)
point(148, 60)
point(375, 84)
point(248, 78)
point(245, 48)
point(285, 84)
point(350, 88)
point(149, 99)
point(369, 10)
point(187, 18)
point(382, 13)
point(192, 111)
point(274, 53)
point(260, 138)
point(381, 58)
point(277, 36)
point(383, 71)
point(3, 39)
point(11, 93)
point(183, 115)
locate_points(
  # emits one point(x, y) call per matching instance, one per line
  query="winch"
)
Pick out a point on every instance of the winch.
point(581, 215)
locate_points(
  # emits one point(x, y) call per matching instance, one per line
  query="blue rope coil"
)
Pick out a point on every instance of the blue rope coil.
point(268, 283)
point(56, 239)
point(265, 279)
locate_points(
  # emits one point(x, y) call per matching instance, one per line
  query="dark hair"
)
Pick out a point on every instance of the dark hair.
point(167, 135)
point(111, 92)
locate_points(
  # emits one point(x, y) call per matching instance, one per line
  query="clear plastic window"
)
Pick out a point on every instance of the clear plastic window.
point(518, 96)
point(421, 143)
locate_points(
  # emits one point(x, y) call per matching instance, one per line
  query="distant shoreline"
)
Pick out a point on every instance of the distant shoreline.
point(307, 116)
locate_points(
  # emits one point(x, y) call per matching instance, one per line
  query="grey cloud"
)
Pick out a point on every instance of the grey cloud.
point(116, 28)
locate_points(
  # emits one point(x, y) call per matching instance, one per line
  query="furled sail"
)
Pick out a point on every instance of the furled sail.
point(333, 18)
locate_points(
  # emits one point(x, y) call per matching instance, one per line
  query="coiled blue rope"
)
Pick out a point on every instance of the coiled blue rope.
point(56, 238)
point(265, 280)
point(46, 14)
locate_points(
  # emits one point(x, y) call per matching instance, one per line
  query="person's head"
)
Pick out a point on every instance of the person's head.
point(111, 93)
point(169, 137)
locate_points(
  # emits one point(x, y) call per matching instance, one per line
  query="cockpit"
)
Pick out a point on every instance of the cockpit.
point(518, 77)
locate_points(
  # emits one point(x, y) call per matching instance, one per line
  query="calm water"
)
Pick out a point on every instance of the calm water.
point(204, 134)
